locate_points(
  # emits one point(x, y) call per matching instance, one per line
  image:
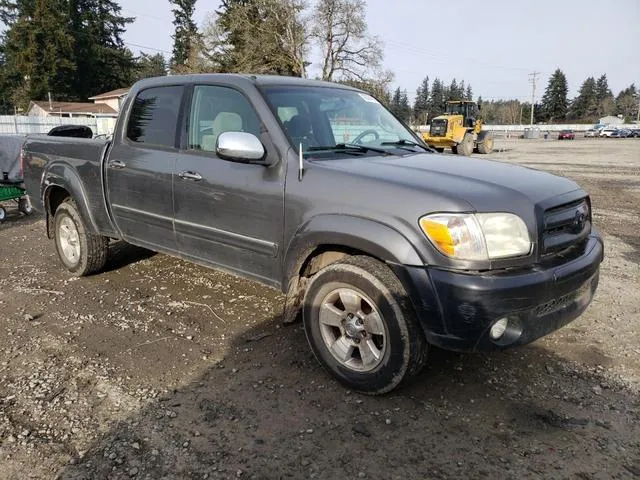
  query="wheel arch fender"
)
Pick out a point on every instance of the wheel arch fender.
point(361, 234)
point(62, 176)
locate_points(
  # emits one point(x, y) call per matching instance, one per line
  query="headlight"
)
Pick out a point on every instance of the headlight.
point(481, 236)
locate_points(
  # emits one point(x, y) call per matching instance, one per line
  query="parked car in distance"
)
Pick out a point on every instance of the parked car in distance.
point(592, 132)
point(566, 135)
point(618, 134)
point(607, 131)
point(385, 246)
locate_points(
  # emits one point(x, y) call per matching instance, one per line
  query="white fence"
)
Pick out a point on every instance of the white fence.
point(24, 125)
point(577, 127)
point(551, 128)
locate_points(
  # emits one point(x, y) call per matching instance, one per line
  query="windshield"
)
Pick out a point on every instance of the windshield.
point(455, 109)
point(326, 119)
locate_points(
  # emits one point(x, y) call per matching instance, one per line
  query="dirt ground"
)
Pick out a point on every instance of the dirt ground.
point(159, 369)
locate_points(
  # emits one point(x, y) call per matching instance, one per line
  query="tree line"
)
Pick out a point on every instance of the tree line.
point(69, 49)
point(74, 49)
point(594, 101)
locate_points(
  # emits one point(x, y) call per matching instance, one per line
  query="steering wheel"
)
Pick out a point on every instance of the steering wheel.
point(359, 138)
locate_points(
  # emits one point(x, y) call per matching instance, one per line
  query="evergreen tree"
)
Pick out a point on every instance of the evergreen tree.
point(37, 53)
point(150, 66)
point(421, 104)
point(554, 100)
point(585, 105)
point(70, 48)
point(606, 102)
point(185, 31)
point(102, 61)
point(394, 105)
point(437, 98)
point(453, 92)
point(261, 36)
point(626, 103)
point(468, 94)
point(602, 88)
point(404, 107)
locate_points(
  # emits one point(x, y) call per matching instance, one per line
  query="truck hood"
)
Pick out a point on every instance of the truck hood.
point(484, 184)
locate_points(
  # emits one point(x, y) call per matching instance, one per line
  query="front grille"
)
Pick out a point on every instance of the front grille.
point(439, 127)
point(565, 225)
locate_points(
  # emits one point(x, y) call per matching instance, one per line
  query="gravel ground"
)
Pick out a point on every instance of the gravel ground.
point(161, 369)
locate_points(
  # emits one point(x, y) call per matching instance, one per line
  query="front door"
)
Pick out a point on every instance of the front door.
point(139, 169)
point(227, 214)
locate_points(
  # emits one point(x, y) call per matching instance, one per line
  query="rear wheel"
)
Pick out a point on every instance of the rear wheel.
point(81, 252)
point(466, 146)
point(361, 327)
point(3, 214)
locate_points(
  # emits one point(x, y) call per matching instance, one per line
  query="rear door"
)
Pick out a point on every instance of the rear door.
point(139, 169)
point(227, 214)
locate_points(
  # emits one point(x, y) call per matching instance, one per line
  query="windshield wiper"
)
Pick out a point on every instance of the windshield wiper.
point(409, 143)
point(349, 148)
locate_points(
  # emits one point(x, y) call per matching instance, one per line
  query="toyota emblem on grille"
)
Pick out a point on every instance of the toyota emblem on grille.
point(579, 221)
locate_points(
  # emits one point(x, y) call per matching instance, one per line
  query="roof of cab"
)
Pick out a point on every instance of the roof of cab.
point(238, 79)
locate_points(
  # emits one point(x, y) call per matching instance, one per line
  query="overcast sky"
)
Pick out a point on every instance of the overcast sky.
point(492, 44)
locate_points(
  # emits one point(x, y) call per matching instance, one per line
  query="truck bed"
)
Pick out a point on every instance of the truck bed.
point(74, 162)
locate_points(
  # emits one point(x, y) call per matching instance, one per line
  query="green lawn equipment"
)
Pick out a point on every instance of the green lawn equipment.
point(11, 186)
point(16, 193)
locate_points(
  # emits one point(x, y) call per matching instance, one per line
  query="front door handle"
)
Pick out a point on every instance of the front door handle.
point(186, 175)
point(117, 164)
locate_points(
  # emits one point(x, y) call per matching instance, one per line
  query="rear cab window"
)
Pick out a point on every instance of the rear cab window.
point(154, 116)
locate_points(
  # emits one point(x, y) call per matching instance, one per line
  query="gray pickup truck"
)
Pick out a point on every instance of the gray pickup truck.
point(318, 190)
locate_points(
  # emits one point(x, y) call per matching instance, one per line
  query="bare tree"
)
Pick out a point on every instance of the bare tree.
point(512, 114)
point(340, 30)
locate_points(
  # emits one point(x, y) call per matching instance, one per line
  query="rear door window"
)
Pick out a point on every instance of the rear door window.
point(154, 116)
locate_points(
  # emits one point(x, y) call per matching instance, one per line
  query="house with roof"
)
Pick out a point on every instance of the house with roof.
point(104, 105)
point(113, 99)
point(46, 108)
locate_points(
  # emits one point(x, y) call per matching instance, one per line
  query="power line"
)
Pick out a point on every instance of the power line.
point(146, 47)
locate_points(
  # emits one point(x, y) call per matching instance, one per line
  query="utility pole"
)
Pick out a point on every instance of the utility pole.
point(533, 76)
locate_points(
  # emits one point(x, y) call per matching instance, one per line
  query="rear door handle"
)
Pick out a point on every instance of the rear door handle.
point(186, 175)
point(117, 164)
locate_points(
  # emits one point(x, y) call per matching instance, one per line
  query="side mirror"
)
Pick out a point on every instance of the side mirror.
point(241, 147)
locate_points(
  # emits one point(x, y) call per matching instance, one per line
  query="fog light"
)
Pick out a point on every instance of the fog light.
point(498, 328)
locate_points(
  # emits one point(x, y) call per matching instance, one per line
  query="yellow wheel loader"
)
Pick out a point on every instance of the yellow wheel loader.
point(459, 129)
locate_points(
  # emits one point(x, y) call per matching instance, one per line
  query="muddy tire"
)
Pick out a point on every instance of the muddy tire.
point(466, 146)
point(81, 252)
point(485, 143)
point(361, 326)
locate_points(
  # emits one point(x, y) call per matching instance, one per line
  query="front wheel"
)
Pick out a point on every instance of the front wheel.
point(81, 252)
point(361, 327)
point(3, 214)
point(485, 143)
point(466, 146)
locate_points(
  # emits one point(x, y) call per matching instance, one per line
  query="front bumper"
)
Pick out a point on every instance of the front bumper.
point(458, 309)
